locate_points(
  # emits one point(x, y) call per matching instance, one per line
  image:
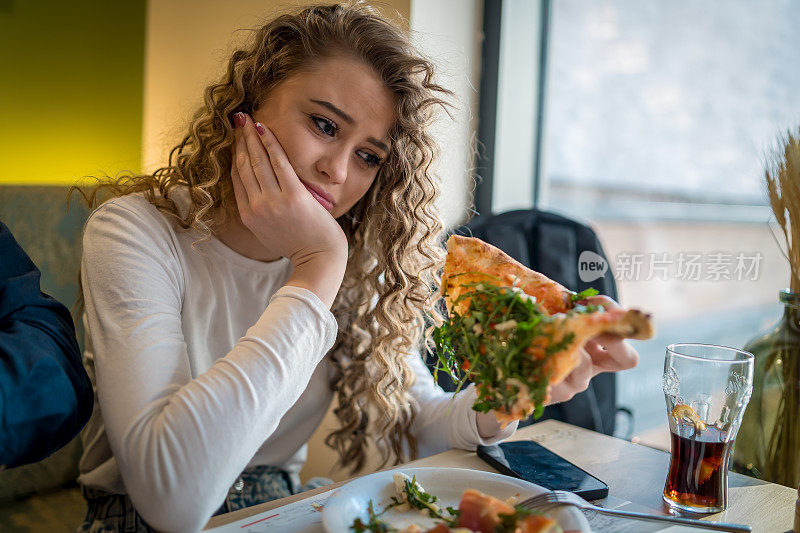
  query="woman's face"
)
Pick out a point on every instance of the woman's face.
point(333, 122)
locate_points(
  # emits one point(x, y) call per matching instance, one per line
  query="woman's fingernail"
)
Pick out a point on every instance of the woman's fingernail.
point(238, 119)
point(260, 128)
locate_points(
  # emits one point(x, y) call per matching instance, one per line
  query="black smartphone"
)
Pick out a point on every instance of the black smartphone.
point(533, 462)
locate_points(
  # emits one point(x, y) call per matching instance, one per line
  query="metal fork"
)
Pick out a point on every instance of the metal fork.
point(551, 499)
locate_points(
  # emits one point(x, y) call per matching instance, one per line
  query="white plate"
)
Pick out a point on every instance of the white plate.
point(448, 484)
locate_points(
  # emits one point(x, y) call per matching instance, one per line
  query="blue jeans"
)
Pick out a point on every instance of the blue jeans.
point(112, 513)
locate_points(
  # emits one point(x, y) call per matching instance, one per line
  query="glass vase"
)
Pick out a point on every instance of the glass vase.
point(768, 446)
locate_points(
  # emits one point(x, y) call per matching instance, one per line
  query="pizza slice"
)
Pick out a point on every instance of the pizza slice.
point(513, 331)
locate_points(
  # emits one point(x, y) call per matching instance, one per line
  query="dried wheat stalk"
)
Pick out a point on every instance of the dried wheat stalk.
point(783, 186)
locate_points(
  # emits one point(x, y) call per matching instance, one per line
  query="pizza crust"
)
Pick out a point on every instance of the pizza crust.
point(471, 260)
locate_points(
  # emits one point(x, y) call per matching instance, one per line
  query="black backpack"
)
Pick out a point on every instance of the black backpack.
point(551, 244)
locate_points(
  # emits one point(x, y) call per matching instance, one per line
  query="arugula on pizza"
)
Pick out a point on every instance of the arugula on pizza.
point(513, 331)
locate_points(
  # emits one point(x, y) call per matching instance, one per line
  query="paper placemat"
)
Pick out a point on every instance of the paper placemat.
point(304, 516)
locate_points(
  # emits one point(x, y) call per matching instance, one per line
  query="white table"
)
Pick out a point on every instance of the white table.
point(635, 476)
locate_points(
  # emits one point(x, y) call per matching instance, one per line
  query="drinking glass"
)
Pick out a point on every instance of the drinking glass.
point(707, 388)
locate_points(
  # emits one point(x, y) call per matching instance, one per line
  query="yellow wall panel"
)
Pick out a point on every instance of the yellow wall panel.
point(70, 89)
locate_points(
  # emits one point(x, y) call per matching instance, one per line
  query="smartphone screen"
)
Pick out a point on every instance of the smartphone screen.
point(533, 462)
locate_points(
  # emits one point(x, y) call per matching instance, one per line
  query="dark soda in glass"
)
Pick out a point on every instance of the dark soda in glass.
point(698, 470)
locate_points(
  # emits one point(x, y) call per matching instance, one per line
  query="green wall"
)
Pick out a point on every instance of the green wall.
point(71, 86)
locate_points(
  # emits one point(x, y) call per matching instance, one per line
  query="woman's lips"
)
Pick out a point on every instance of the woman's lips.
point(327, 204)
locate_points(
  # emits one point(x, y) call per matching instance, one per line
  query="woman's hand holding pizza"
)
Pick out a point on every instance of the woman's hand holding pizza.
point(603, 353)
point(275, 206)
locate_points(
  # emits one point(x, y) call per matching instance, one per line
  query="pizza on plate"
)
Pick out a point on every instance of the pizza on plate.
point(513, 331)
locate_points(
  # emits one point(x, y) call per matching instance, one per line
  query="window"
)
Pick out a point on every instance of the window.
point(655, 121)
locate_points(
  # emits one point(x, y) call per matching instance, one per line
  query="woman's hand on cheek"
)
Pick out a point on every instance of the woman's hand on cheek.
point(274, 204)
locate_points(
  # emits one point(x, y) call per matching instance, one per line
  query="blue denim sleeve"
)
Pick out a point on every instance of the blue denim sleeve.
point(45, 394)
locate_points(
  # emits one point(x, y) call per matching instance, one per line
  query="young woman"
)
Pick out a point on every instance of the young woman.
point(286, 255)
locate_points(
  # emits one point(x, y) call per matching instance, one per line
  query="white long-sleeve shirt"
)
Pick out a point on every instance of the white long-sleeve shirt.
point(203, 363)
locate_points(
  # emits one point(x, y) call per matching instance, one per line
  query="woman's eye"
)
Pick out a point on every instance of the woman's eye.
point(325, 126)
point(371, 160)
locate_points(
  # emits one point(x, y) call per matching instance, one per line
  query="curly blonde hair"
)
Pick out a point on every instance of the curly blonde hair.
point(393, 231)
